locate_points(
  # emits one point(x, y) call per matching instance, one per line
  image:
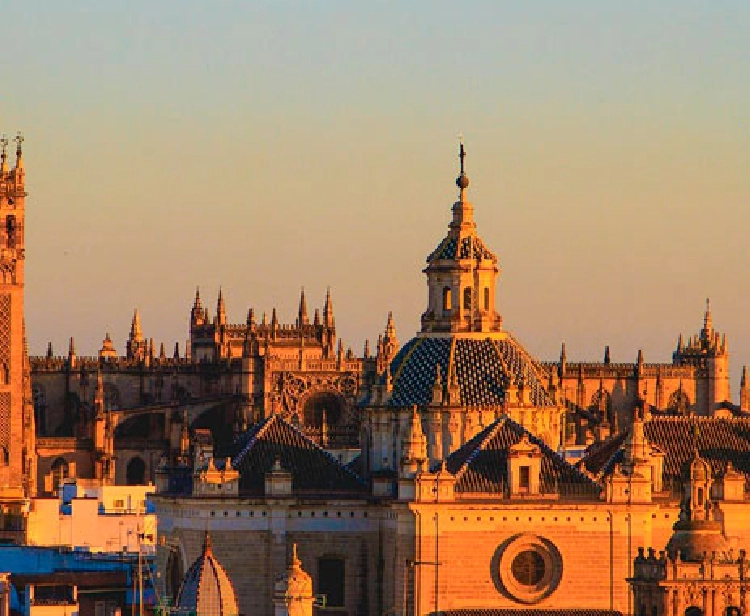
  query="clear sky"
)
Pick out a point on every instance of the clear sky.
point(263, 146)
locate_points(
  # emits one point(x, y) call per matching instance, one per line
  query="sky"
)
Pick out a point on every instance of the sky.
point(266, 146)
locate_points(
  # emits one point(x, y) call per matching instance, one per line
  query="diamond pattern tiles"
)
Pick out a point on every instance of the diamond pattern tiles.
point(481, 465)
point(718, 441)
point(484, 369)
point(314, 471)
point(471, 247)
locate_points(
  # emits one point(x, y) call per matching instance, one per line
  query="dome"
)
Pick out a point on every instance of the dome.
point(206, 589)
point(483, 369)
point(693, 539)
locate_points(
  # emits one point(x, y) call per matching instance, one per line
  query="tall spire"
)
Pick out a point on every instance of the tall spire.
point(302, 316)
point(328, 320)
point(3, 155)
point(221, 310)
point(708, 326)
point(19, 150)
point(135, 327)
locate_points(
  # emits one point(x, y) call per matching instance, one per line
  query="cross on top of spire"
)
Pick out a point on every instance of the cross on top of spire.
point(19, 140)
point(4, 146)
point(462, 181)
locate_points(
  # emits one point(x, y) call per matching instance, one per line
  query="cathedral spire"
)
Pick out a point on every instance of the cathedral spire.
point(3, 155)
point(708, 327)
point(302, 314)
point(19, 150)
point(136, 333)
point(221, 310)
point(328, 319)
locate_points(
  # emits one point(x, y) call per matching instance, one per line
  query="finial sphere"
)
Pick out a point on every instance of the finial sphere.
point(462, 181)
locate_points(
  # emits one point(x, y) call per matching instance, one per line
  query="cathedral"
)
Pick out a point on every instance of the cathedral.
point(453, 474)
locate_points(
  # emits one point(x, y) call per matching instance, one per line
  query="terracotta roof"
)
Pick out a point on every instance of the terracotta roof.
point(718, 441)
point(484, 370)
point(314, 471)
point(531, 612)
point(481, 464)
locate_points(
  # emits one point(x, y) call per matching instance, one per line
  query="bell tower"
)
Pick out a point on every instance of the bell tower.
point(16, 428)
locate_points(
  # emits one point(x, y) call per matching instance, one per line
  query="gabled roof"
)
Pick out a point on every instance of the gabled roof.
point(481, 464)
point(314, 471)
point(718, 441)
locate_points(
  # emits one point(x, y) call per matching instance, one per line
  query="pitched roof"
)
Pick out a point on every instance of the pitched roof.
point(480, 466)
point(484, 368)
point(718, 440)
point(314, 471)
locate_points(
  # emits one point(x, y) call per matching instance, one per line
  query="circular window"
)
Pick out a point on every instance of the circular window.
point(529, 568)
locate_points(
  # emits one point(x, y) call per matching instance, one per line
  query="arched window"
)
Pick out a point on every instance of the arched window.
point(59, 472)
point(331, 581)
point(467, 298)
point(700, 497)
point(486, 298)
point(136, 472)
point(4, 456)
point(4, 374)
point(447, 304)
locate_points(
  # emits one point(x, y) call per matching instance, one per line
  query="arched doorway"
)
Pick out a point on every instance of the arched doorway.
point(135, 473)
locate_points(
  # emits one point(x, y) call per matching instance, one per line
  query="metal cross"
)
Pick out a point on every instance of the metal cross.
point(19, 141)
point(462, 151)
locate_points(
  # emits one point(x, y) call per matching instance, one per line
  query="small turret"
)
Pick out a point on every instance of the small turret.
point(50, 352)
point(707, 333)
point(413, 446)
point(3, 156)
point(176, 354)
point(197, 314)
point(72, 353)
point(606, 354)
point(316, 318)
point(136, 333)
point(744, 392)
point(302, 312)
point(437, 387)
point(366, 352)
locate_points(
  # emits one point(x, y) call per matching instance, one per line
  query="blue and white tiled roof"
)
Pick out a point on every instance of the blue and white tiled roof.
point(451, 248)
point(484, 369)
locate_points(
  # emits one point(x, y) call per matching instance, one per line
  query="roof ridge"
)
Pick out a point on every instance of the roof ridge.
point(330, 456)
point(259, 429)
point(492, 430)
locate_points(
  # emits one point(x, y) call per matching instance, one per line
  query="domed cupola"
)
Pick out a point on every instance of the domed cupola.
point(206, 589)
point(461, 274)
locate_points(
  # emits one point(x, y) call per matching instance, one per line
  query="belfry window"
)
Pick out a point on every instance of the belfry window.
point(331, 581)
point(447, 304)
point(10, 230)
point(467, 298)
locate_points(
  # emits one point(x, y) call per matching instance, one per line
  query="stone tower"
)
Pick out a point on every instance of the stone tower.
point(16, 416)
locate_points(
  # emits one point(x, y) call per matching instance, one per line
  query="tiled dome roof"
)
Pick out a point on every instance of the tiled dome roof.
point(206, 589)
point(484, 369)
point(452, 248)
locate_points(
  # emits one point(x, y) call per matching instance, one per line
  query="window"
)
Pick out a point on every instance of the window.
point(447, 305)
point(486, 298)
point(119, 503)
point(331, 581)
point(4, 456)
point(700, 497)
point(10, 229)
point(524, 478)
point(528, 568)
point(59, 472)
point(467, 298)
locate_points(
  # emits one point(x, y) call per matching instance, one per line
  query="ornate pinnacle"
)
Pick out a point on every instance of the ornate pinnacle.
point(19, 141)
